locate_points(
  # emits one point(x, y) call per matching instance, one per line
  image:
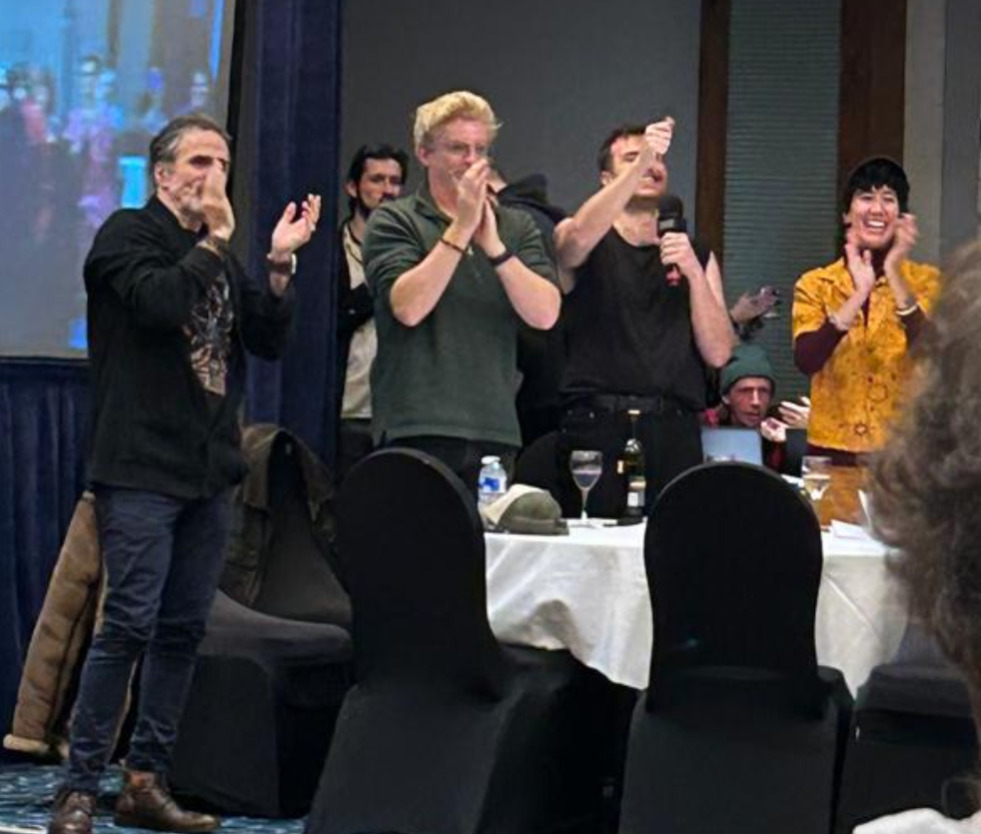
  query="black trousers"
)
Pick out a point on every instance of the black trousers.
point(163, 557)
point(672, 444)
point(354, 442)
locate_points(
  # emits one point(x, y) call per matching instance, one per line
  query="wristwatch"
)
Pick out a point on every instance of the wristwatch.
point(282, 267)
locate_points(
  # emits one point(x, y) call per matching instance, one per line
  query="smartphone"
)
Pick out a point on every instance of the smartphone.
point(768, 299)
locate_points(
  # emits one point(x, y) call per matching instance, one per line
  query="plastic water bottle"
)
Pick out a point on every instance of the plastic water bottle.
point(493, 480)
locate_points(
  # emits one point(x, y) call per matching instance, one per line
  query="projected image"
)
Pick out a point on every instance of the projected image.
point(84, 85)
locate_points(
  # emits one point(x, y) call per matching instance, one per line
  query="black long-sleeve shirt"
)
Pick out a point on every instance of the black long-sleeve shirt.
point(168, 324)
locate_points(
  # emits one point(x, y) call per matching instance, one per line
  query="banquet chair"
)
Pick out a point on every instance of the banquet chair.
point(911, 736)
point(739, 729)
point(260, 713)
point(446, 731)
point(540, 464)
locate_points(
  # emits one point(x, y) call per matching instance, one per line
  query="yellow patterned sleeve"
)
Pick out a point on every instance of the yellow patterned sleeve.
point(809, 311)
point(924, 280)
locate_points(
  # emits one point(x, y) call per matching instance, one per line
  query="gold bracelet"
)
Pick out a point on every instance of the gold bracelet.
point(446, 242)
point(908, 311)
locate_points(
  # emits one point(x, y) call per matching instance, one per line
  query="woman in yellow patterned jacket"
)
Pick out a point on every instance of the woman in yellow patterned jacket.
point(855, 320)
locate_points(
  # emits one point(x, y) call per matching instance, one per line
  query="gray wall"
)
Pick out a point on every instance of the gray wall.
point(943, 109)
point(781, 157)
point(558, 74)
point(962, 100)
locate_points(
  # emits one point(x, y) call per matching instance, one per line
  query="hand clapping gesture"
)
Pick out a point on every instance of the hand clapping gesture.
point(472, 197)
point(859, 264)
point(294, 229)
point(795, 415)
point(902, 244)
point(215, 205)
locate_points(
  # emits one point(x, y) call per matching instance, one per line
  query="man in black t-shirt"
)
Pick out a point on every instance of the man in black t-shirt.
point(646, 318)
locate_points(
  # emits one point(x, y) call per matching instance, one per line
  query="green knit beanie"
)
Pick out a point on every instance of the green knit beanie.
point(747, 360)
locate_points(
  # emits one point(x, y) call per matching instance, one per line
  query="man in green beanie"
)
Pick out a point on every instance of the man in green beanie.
point(747, 386)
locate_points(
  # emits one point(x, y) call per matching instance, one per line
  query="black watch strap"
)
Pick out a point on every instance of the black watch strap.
point(505, 256)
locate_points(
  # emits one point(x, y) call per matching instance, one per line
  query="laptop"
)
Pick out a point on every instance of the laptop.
point(726, 443)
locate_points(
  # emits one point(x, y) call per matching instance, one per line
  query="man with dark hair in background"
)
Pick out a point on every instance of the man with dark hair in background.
point(645, 318)
point(376, 174)
point(170, 316)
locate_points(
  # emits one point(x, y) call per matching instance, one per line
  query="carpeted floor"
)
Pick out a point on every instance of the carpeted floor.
point(26, 791)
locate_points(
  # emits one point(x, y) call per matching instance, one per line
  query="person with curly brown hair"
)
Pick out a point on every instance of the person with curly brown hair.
point(926, 494)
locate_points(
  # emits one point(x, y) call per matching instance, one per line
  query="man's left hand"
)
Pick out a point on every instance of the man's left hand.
point(486, 235)
point(294, 231)
point(676, 249)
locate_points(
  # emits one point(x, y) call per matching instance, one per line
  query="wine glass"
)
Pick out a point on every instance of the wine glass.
point(586, 468)
point(815, 471)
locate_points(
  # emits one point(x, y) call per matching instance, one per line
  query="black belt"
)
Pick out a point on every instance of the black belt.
point(622, 403)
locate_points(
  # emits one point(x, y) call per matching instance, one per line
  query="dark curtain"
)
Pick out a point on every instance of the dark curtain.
point(43, 413)
point(288, 123)
point(284, 109)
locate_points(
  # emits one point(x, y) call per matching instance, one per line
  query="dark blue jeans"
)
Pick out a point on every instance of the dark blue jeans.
point(163, 557)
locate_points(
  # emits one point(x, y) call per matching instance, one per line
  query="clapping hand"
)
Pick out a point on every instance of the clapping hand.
point(216, 208)
point(795, 415)
point(903, 242)
point(774, 430)
point(295, 228)
point(859, 264)
point(471, 197)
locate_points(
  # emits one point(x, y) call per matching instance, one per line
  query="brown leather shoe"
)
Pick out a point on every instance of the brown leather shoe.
point(145, 802)
point(73, 812)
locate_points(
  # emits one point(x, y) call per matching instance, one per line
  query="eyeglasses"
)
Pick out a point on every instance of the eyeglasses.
point(462, 149)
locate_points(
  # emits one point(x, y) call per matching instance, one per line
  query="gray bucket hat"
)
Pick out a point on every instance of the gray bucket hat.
point(525, 509)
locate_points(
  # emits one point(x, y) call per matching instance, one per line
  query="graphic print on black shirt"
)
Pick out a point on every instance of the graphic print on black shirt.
point(210, 332)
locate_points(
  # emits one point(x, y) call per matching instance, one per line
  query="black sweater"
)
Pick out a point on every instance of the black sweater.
point(154, 425)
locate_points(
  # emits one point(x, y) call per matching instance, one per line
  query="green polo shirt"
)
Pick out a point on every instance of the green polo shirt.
point(455, 373)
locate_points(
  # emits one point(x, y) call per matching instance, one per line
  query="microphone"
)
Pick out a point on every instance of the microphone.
point(671, 218)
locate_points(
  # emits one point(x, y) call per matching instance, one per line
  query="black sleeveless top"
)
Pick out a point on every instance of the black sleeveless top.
point(628, 331)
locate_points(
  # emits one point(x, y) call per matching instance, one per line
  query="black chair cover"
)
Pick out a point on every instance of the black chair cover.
point(912, 733)
point(545, 464)
point(445, 732)
point(738, 731)
point(259, 717)
point(299, 581)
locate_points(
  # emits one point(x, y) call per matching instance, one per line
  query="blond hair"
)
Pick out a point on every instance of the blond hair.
point(457, 105)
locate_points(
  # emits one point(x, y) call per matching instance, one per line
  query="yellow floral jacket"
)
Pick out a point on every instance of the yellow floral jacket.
point(855, 395)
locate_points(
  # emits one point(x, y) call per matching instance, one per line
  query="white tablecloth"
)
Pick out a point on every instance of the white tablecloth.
point(587, 592)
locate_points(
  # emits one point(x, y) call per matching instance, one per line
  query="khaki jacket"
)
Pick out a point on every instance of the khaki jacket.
point(62, 630)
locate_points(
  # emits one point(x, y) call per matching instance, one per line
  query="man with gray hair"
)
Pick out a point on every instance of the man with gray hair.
point(170, 314)
point(453, 274)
